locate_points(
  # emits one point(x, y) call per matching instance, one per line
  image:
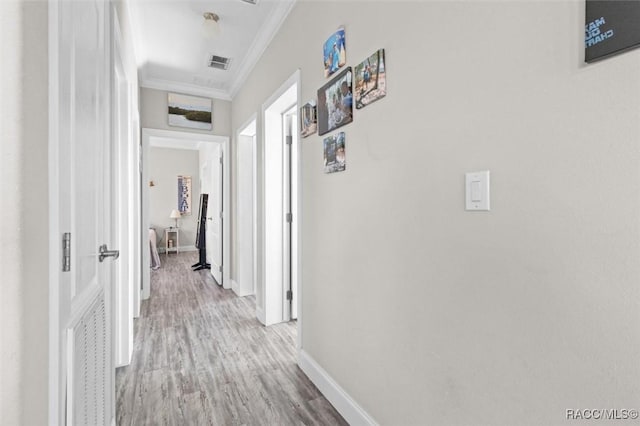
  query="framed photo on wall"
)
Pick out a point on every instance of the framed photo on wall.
point(334, 153)
point(335, 103)
point(611, 27)
point(192, 112)
point(370, 80)
point(308, 119)
point(334, 52)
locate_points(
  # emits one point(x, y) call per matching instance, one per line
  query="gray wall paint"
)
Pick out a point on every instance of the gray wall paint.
point(24, 293)
point(153, 114)
point(164, 167)
point(425, 313)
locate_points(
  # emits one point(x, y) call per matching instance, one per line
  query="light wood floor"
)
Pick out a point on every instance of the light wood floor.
point(201, 358)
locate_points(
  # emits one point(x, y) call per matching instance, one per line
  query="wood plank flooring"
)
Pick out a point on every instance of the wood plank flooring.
point(201, 358)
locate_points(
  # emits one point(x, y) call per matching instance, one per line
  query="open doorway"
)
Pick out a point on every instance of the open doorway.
point(211, 154)
point(280, 219)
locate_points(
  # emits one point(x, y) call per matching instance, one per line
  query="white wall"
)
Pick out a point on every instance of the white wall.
point(425, 313)
point(24, 294)
point(165, 165)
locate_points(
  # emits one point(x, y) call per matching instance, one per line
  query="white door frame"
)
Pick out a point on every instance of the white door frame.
point(193, 139)
point(297, 221)
point(126, 281)
point(241, 289)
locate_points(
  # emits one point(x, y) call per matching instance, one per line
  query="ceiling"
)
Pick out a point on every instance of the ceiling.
point(172, 52)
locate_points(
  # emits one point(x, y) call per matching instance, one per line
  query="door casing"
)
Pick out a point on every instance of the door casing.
point(168, 138)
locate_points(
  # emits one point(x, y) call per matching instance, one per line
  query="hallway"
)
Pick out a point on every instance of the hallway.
point(201, 358)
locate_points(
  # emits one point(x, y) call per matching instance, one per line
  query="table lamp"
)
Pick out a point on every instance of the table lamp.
point(175, 214)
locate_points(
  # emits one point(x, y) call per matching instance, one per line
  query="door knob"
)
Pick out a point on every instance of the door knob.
point(104, 253)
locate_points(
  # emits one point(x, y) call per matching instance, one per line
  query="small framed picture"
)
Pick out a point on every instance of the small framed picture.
point(334, 153)
point(335, 103)
point(334, 52)
point(308, 119)
point(192, 112)
point(370, 80)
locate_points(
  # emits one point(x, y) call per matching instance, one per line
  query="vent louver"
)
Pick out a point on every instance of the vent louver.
point(250, 1)
point(219, 62)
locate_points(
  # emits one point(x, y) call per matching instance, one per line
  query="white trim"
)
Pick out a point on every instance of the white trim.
point(124, 279)
point(226, 214)
point(137, 45)
point(297, 222)
point(235, 288)
point(260, 43)
point(54, 220)
point(174, 134)
point(261, 316)
point(254, 213)
point(294, 79)
point(263, 38)
point(147, 135)
point(348, 408)
point(189, 89)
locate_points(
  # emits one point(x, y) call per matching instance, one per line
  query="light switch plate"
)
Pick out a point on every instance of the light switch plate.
point(477, 191)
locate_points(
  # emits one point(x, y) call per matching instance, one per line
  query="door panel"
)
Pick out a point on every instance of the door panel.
point(84, 211)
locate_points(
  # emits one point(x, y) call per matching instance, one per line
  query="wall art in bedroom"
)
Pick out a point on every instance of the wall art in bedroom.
point(335, 102)
point(308, 119)
point(611, 27)
point(334, 52)
point(184, 194)
point(192, 112)
point(334, 153)
point(370, 80)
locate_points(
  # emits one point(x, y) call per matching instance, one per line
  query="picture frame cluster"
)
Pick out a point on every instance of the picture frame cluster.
point(333, 107)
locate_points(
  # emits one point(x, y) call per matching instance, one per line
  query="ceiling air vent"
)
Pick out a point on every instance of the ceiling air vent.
point(219, 62)
point(250, 1)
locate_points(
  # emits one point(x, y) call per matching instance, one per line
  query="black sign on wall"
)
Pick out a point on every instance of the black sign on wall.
point(611, 27)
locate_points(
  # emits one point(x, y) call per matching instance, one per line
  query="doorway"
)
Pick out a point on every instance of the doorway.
point(193, 141)
point(280, 207)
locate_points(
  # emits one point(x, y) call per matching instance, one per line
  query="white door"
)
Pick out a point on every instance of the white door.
point(84, 374)
point(214, 215)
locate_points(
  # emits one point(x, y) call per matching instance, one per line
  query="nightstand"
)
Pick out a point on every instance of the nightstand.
point(171, 240)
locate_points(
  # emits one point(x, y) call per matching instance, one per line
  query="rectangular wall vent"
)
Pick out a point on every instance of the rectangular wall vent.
point(250, 1)
point(219, 62)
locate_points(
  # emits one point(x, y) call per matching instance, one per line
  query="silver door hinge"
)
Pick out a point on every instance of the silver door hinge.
point(289, 218)
point(289, 295)
point(220, 268)
point(66, 252)
point(221, 213)
point(220, 160)
point(289, 140)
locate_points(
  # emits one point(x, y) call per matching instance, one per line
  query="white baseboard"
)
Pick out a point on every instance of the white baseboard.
point(236, 289)
point(346, 406)
point(261, 316)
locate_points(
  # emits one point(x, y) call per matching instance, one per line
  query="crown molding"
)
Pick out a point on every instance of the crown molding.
point(186, 88)
point(260, 43)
